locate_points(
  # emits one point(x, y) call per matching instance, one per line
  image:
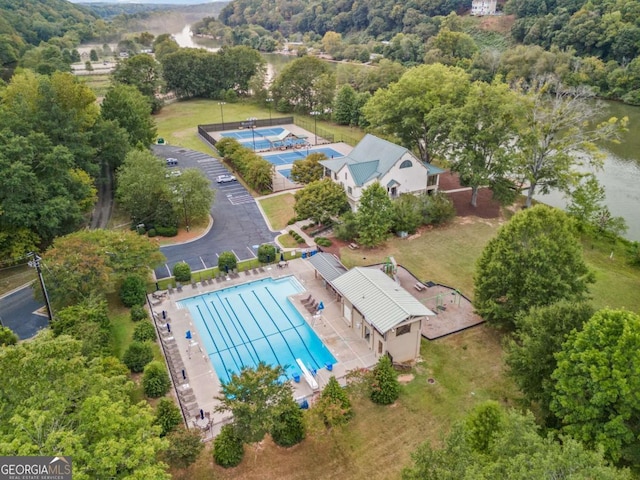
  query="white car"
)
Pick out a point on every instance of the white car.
point(225, 178)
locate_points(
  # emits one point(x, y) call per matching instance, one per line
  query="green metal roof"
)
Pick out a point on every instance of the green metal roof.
point(327, 265)
point(364, 171)
point(382, 301)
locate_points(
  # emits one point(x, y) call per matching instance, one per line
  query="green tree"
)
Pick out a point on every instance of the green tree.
point(137, 355)
point(138, 313)
point(227, 261)
point(193, 195)
point(266, 253)
point(228, 448)
point(539, 337)
point(141, 181)
point(81, 407)
point(132, 110)
point(93, 55)
point(334, 405)
point(88, 322)
point(308, 170)
point(93, 262)
point(321, 201)
point(451, 48)
point(595, 384)
point(344, 105)
point(141, 71)
point(554, 132)
point(304, 85)
point(288, 427)
point(437, 208)
point(155, 380)
point(484, 136)
point(7, 337)
point(385, 388)
point(407, 216)
point(144, 332)
point(168, 416)
point(419, 108)
point(254, 397)
point(374, 216)
point(184, 448)
point(133, 291)
point(534, 260)
point(182, 272)
point(483, 425)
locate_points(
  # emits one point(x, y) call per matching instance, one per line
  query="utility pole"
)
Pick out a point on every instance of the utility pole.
point(36, 264)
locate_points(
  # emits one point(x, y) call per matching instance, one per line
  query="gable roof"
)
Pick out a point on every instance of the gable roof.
point(372, 158)
point(382, 301)
point(327, 265)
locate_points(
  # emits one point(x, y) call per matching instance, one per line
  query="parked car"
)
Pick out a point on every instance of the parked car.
point(225, 178)
point(172, 162)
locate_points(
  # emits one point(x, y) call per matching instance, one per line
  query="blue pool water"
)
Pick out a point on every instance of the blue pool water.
point(262, 132)
point(243, 325)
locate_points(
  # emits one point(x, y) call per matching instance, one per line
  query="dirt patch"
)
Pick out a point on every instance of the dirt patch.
point(486, 207)
point(497, 23)
point(404, 379)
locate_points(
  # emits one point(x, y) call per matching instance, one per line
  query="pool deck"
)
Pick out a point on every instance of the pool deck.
point(201, 385)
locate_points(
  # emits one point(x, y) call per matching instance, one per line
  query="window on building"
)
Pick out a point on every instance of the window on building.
point(406, 164)
point(379, 347)
point(349, 191)
point(403, 329)
point(345, 175)
point(335, 175)
point(432, 180)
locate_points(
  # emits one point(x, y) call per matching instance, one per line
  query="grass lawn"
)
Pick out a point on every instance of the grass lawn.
point(278, 209)
point(99, 84)
point(467, 369)
point(16, 276)
point(287, 241)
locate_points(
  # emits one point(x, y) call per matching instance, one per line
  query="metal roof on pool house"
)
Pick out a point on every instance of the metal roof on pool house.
point(382, 302)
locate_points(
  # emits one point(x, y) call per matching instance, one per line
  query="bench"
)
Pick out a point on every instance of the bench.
point(419, 287)
point(354, 246)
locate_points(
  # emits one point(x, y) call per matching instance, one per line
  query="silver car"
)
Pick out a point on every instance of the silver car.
point(225, 178)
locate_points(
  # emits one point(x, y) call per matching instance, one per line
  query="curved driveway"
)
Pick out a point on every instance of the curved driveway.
point(238, 224)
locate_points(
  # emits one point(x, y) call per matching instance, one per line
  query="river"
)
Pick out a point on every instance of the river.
point(620, 175)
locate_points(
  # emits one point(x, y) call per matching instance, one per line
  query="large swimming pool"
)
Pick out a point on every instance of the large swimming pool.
point(243, 325)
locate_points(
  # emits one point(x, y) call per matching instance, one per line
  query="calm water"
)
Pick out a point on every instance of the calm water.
point(243, 325)
point(620, 175)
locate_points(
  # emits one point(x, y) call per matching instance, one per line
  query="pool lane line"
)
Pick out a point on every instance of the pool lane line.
point(263, 334)
point(237, 323)
point(214, 342)
point(233, 346)
point(294, 327)
point(293, 355)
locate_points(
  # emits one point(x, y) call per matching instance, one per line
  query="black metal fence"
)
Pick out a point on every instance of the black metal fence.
point(203, 130)
point(310, 126)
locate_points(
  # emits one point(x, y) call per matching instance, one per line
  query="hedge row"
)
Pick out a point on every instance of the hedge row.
point(255, 170)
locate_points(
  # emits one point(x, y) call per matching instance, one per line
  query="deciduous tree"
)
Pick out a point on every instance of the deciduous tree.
point(596, 384)
point(304, 85)
point(534, 260)
point(308, 170)
point(419, 108)
point(321, 201)
point(132, 110)
point(385, 388)
point(374, 216)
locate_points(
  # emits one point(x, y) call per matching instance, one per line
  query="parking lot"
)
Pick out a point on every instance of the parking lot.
point(238, 225)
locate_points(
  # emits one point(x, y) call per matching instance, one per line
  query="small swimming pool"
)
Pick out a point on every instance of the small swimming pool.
point(243, 325)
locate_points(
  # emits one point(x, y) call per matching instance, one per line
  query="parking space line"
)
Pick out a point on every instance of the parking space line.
point(251, 251)
point(203, 264)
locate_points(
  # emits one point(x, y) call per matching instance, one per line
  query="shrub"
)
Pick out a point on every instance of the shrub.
point(347, 229)
point(184, 447)
point(334, 404)
point(228, 449)
point(292, 221)
point(138, 313)
point(439, 209)
point(182, 272)
point(227, 261)
point(7, 337)
point(137, 356)
point(385, 388)
point(167, 231)
point(323, 242)
point(144, 331)
point(152, 233)
point(155, 380)
point(168, 416)
point(288, 428)
point(133, 291)
point(266, 253)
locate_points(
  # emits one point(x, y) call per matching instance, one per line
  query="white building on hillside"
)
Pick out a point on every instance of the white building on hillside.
point(374, 159)
point(484, 7)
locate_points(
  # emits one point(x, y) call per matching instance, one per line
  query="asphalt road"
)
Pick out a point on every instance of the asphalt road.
point(238, 225)
point(17, 312)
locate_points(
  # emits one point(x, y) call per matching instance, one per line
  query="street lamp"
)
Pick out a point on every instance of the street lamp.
point(269, 102)
point(222, 113)
point(36, 263)
point(315, 114)
point(180, 191)
point(252, 124)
